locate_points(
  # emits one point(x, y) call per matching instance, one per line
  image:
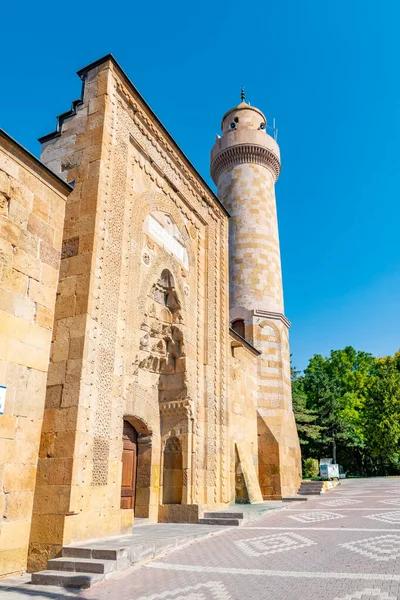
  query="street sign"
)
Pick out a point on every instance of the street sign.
point(2, 398)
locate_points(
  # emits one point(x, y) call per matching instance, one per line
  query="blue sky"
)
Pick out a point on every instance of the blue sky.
point(328, 73)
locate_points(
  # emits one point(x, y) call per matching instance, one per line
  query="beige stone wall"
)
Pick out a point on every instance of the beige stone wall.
point(32, 206)
point(279, 451)
point(123, 347)
point(243, 397)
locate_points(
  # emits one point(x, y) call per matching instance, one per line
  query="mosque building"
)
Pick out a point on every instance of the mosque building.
point(144, 354)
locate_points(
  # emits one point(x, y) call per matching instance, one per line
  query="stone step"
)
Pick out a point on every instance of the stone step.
point(216, 521)
point(82, 565)
point(98, 553)
point(309, 493)
point(312, 483)
point(66, 579)
point(223, 515)
point(294, 499)
point(309, 486)
point(314, 488)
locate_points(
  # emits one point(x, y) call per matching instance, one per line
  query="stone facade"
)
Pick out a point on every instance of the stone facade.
point(141, 324)
point(32, 206)
point(143, 363)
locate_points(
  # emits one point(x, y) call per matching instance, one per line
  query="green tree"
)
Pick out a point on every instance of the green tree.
point(336, 388)
point(306, 419)
point(382, 416)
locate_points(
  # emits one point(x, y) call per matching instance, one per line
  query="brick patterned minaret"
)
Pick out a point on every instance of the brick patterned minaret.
point(245, 164)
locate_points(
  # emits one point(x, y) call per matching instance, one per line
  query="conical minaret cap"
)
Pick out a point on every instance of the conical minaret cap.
point(243, 116)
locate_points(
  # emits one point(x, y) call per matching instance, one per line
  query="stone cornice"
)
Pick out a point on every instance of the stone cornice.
point(245, 153)
point(275, 316)
point(28, 159)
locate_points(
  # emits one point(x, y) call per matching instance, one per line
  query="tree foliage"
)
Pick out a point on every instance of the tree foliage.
point(348, 405)
point(306, 419)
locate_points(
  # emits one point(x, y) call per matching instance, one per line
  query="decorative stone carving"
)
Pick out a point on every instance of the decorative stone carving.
point(245, 153)
point(146, 258)
point(145, 342)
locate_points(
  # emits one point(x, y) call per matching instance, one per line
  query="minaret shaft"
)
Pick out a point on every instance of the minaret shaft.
point(245, 164)
point(248, 192)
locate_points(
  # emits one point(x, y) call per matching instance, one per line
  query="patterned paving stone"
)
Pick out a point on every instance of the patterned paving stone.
point(388, 517)
point(271, 544)
point(315, 516)
point(367, 593)
point(342, 502)
point(354, 492)
point(212, 590)
point(348, 557)
point(382, 548)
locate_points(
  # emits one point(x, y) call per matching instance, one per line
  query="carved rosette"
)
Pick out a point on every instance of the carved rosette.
point(245, 153)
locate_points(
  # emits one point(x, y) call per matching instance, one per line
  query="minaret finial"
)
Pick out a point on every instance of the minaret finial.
point(242, 95)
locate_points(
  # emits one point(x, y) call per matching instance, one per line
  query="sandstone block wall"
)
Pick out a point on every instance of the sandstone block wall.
point(279, 450)
point(243, 399)
point(141, 324)
point(32, 206)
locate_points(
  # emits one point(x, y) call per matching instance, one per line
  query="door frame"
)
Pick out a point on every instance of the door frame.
point(135, 452)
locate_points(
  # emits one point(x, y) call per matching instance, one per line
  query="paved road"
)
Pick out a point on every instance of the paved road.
point(343, 545)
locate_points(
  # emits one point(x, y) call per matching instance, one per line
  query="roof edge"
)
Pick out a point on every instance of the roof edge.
point(109, 57)
point(245, 343)
point(48, 172)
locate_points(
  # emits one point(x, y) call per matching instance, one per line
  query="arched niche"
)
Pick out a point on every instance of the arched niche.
point(164, 292)
point(172, 472)
point(238, 327)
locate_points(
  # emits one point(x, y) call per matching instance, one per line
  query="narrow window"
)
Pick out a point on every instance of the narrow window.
point(238, 326)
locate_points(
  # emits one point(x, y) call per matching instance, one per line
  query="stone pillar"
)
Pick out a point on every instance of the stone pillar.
point(245, 164)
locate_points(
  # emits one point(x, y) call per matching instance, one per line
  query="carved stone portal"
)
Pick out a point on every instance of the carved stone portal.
point(162, 352)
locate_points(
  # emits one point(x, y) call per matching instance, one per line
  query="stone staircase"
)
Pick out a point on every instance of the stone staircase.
point(311, 488)
point(296, 498)
point(85, 564)
point(225, 518)
point(82, 567)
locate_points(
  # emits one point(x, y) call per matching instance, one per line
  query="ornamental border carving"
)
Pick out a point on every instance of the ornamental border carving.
point(185, 176)
point(223, 366)
point(245, 153)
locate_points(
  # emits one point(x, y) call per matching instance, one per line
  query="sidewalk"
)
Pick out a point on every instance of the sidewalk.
point(146, 543)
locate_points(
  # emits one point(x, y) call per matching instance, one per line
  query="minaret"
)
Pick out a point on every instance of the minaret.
point(245, 165)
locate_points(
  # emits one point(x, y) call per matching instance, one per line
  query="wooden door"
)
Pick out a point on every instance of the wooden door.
point(129, 466)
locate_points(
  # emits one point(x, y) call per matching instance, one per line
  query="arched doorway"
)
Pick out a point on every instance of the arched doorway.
point(129, 465)
point(172, 472)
